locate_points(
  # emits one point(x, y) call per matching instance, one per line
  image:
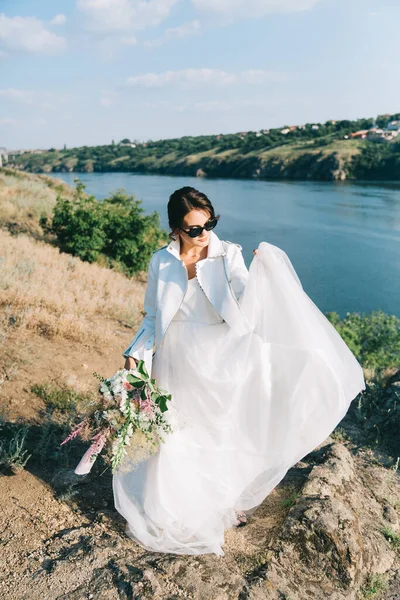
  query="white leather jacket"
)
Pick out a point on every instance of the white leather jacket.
point(222, 275)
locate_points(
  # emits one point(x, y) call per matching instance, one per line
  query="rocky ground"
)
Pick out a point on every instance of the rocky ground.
point(328, 530)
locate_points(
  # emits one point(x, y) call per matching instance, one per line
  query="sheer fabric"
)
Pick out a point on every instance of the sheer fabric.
point(244, 409)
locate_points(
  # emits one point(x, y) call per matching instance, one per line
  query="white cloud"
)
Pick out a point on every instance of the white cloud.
point(252, 8)
point(157, 104)
point(25, 96)
point(195, 77)
point(115, 15)
point(30, 34)
point(208, 105)
point(212, 105)
point(190, 76)
point(129, 41)
point(108, 98)
point(182, 31)
point(259, 76)
point(41, 99)
point(8, 121)
point(59, 20)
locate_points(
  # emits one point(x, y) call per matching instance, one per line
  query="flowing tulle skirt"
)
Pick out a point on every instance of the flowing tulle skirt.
point(244, 410)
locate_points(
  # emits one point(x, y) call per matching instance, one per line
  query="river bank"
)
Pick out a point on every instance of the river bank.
point(304, 161)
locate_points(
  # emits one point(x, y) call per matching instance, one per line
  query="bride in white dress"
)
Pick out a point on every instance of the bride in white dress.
point(245, 407)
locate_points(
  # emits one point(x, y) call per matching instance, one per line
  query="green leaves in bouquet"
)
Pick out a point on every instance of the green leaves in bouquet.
point(139, 382)
point(142, 369)
point(161, 400)
point(135, 381)
point(158, 395)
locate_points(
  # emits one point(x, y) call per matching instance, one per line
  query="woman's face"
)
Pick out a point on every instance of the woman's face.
point(192, 218)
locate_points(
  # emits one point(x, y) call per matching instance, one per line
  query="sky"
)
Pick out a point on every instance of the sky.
point(86, 72)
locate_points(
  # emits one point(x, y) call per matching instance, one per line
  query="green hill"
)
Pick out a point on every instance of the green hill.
point(317, 151)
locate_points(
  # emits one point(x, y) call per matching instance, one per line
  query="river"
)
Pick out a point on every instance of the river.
point(342, 238)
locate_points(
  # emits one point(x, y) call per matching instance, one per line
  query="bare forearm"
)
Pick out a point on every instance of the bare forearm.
point(130, 363)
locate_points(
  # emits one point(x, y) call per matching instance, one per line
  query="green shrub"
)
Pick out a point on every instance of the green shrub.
point(115, 229)
point(374, 338)
point(12, 448)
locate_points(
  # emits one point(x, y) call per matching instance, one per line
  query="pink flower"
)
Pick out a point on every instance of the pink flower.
point(75, 432)
point(147, 405)
point(87, 460)
point(127, 385)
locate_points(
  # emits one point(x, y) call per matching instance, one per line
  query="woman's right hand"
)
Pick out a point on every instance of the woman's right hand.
point(130, 363)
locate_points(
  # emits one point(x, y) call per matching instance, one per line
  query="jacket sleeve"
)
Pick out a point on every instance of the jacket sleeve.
point(239, 272)
point(143, 341)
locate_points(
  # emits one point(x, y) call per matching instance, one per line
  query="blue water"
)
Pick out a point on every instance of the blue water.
point(343, 239)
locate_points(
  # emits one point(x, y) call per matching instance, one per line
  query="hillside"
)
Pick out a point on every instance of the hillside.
point(335, 150)
point(330, 529)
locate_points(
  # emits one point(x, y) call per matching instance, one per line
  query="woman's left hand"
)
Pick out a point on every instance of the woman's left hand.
point(255, 251)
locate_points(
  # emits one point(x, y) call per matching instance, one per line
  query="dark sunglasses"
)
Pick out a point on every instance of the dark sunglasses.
point(197, 230)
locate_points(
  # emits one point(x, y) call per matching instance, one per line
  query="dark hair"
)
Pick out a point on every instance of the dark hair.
point(183, 201)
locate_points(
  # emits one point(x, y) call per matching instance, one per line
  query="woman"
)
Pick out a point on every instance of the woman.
point(258, 377)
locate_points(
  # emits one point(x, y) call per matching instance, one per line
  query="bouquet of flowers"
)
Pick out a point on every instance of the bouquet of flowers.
point(130, 409)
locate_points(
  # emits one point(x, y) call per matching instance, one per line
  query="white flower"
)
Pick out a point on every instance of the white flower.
point(117, 387)
point(104, 388)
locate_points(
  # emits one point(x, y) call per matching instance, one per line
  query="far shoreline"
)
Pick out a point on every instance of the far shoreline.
point(375, 182)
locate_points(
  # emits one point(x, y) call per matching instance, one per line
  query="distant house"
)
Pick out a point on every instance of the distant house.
point(315, 127)
point(292, 127)
point(376, 134)
point(259, 134)
point(361, 134)
point(265, 131)
point(374, 131)
point(285, 131)
point(394, 126)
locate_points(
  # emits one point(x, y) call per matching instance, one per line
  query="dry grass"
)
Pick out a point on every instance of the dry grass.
point(25, 197)
point(345, 148)
point(194, 158)
point(56, 294)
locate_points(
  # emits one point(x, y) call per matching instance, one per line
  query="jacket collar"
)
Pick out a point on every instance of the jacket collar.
point(215, 247)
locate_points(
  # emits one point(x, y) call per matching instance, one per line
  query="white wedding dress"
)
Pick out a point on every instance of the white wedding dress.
point(244, 409)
